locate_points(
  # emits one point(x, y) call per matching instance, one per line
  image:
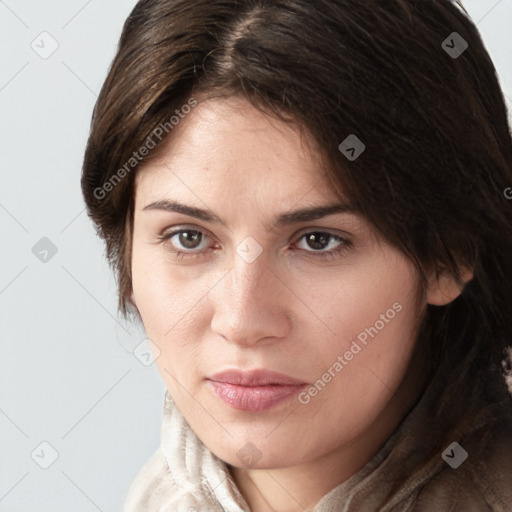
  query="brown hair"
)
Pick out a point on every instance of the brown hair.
point(438, 145)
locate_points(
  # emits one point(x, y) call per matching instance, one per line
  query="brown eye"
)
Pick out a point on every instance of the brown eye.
point(323, 245)
point(189, 239)
point(320, 241)
point(185, 242)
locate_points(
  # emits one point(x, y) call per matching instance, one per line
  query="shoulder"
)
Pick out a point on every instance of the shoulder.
point(483, 482)
point(452, 491)
point(151, 484)
point(155, 489)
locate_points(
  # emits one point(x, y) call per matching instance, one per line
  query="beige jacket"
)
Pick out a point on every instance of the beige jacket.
point(407, 474)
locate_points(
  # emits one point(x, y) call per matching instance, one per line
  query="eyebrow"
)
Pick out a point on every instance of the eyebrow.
point(284, 219)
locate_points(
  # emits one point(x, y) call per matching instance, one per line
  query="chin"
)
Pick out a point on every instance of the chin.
point(247, 454)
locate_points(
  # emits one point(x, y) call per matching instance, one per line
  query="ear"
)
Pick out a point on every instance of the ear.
point(443, 288)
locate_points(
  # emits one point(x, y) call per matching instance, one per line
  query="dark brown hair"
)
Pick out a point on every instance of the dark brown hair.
point(438, 151)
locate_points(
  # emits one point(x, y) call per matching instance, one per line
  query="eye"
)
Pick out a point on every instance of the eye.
point(319, 241)
point(188, 239)
point(185, 242)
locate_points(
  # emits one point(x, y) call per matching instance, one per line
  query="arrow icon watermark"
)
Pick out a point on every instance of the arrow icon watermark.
point(352, 147)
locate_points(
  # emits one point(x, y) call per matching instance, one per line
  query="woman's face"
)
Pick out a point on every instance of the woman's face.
point(250, 285)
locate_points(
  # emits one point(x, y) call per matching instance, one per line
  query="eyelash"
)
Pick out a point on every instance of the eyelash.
point(321, 255)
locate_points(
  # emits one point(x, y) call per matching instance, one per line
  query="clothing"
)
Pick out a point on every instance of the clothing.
point(406, 474)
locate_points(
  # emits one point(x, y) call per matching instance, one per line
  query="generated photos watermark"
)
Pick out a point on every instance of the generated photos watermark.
point(342, 361)
point(158, 133)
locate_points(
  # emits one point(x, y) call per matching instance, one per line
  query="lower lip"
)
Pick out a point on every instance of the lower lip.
point(254, 398)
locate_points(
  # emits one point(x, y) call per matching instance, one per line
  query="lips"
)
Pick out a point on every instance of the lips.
point(255, 390)
point(260, 377)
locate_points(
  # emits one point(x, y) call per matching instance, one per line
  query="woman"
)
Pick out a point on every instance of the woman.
point(304, 205)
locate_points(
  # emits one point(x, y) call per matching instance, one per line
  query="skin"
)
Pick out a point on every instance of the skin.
point(288, 310)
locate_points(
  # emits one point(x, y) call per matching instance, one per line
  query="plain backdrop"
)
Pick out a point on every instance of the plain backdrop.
point(79, 412)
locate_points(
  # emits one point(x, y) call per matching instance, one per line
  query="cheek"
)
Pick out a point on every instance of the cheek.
point(360, 378)
point(171, 308)
point(149, 288)
point(162, 296)
point(377, 297)
point(374, 318)
point(372, 344)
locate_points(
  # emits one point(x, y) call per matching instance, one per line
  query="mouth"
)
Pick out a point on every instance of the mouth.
point(255, 390)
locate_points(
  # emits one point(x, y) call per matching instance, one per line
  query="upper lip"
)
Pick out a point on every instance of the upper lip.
point(257, 377)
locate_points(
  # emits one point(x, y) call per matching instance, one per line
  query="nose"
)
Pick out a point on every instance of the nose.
point(250, 304)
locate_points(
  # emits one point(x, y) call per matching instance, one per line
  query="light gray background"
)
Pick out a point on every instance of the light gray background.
point(68, 376)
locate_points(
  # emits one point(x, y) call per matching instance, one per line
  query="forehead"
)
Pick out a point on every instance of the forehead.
point(227, 146)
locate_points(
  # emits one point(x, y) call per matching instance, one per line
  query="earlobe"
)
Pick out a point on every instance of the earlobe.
point(132, 299)
point(444, 289)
